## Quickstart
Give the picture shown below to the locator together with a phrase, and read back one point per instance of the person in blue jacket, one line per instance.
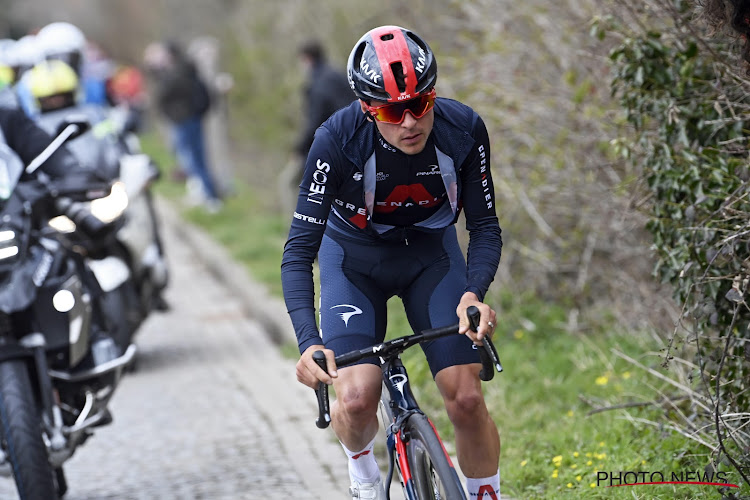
(384, 183)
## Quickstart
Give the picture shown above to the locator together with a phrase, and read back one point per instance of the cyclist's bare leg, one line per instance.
(477, 439)
(354, 412)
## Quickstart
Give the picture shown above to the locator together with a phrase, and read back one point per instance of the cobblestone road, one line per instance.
(211, 412)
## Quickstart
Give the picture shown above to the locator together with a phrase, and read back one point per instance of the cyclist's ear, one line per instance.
(363, 107)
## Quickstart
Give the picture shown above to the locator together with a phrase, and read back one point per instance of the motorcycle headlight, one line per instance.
(8, 244)
(62, 224)
(111, 206)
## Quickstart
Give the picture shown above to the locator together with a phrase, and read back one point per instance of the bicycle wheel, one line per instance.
(432, 472)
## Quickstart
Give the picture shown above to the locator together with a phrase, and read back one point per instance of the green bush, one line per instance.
(687, 110)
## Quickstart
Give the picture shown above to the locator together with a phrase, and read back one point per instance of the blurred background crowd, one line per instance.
(57, 69)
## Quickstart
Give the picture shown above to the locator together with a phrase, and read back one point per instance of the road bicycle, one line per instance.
(415, 449)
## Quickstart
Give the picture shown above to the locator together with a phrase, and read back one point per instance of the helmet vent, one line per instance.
(387, 36)
(398, 74)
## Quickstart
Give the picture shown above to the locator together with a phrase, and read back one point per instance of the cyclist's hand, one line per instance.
(487, 321)
(308, 371)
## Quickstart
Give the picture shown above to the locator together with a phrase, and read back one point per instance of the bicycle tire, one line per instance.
(432, 472)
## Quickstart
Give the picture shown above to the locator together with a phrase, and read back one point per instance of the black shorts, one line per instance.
(358, 277)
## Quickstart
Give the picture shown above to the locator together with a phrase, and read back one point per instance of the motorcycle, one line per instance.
(114, 152)
(59, 364)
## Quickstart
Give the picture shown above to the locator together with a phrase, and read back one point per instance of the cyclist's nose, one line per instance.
(409, 120)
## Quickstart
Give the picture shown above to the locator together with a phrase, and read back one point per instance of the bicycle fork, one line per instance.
(400, 404)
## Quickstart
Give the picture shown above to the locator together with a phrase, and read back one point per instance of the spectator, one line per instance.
(184, 99)
(326, 91)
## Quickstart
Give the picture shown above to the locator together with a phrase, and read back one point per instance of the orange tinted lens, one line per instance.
(394, 113)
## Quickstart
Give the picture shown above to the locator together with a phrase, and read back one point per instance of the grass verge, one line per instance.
(556, 442)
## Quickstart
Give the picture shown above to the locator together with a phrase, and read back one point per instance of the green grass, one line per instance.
(551, 448)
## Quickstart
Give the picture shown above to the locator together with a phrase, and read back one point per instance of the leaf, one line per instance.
(692, 51)
(734, 295)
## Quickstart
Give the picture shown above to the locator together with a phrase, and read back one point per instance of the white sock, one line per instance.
(484, 488)
(362, 465)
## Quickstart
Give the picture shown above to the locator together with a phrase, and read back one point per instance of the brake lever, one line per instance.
(487, 353)
(324, 408)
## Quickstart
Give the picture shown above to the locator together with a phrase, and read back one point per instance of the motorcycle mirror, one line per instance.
(71, 127)
(78, 124)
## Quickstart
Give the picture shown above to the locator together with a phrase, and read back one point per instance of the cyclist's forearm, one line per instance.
(305, 328)
(483, 257)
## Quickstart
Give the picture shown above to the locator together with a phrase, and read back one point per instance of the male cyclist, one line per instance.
(385, 180)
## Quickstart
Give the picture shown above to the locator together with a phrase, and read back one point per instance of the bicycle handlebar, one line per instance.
(487, 355)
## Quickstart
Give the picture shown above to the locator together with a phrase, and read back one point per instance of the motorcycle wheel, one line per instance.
(21, 431)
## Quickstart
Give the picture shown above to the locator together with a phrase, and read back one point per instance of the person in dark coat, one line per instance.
(183, 99)
(326, 91)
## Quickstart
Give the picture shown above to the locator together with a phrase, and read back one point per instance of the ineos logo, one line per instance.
(320, 177)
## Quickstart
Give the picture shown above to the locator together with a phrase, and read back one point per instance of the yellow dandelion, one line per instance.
(626, 375)
(524, 462)
(569, 485)
(589, 462)
(518, 334)
(574, 466)
(588, 454)
(570, 413)
(578, 478)
(554, 474)
(593, 485)
(557, 460)
(575, 454)
(601, 443)
(602, 380)
(643, 462)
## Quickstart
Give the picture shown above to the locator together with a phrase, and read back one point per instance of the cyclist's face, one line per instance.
(409, 136)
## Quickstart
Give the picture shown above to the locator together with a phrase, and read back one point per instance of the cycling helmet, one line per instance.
(64, 41)
(24, 54)
(391, 64)
(61, 37)
(50, 78)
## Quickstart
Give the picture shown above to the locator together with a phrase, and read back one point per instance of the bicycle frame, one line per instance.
(399, 402)
(402, 405)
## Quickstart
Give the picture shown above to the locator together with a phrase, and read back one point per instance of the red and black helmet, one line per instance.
(391, 64)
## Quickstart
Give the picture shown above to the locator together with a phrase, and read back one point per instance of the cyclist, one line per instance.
(384, 182)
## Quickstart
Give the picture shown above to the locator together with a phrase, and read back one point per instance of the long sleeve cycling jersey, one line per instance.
(347, 188)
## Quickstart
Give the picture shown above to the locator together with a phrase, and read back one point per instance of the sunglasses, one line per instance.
(395, 112)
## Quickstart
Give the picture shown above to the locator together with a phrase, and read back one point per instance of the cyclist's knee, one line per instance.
(466, 407)
(358, 389)
(462, 394)
(358, 401)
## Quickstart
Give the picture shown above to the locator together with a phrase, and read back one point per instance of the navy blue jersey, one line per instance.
(341, 190)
